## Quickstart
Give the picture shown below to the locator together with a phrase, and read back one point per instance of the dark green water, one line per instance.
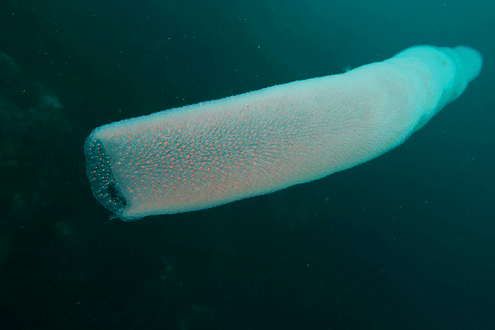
(406, 241)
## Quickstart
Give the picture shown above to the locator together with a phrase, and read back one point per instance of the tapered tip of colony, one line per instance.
(471, 61)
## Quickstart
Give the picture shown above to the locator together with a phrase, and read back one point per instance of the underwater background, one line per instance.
(405, 241)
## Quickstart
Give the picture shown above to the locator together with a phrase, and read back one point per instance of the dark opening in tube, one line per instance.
(98, 169)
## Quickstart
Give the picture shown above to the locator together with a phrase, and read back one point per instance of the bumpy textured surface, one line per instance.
(216, 152)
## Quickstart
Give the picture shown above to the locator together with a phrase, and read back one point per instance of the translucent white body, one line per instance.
(212, 153)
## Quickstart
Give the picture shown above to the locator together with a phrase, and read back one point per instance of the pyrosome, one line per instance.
(216, 152)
